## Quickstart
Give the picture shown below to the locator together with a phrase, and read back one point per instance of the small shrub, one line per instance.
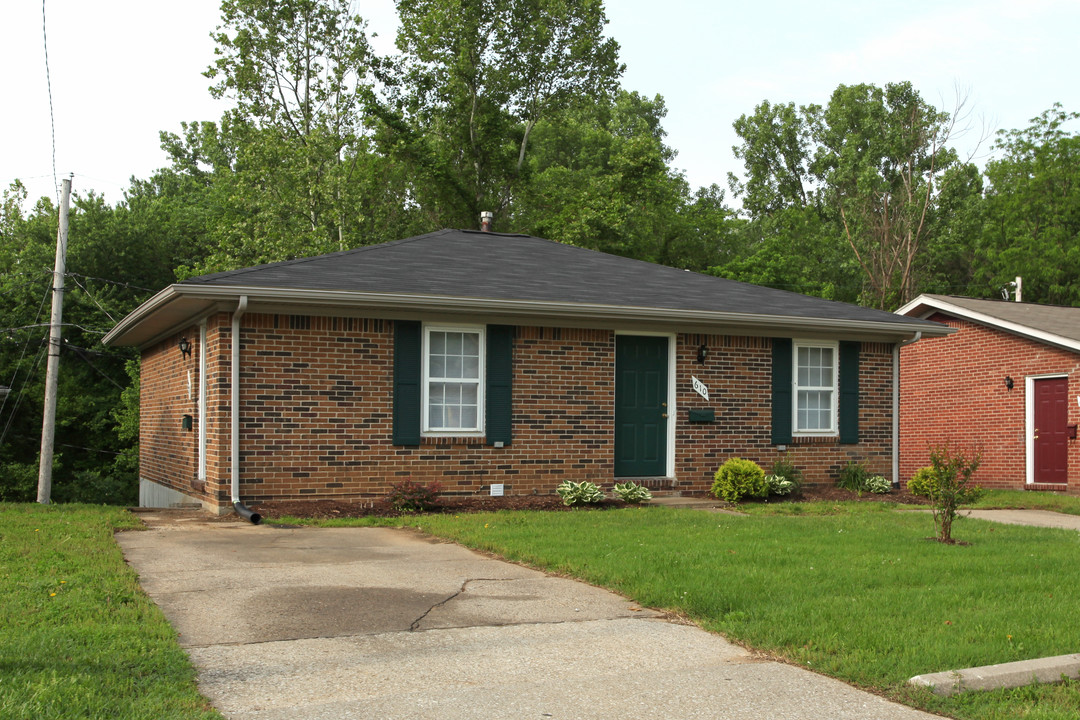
(785, 469)
(853, 477)
(950, 486)
(579, 493)
(738, 478)
(632, 493)
(877, 484)
(409, 496)
(922, 482)
(779, 485)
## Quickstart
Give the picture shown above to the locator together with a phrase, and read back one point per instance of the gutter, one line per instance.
(234, 379)
(896, 407)
(762, 324)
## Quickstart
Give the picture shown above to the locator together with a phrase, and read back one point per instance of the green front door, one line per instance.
(641, 375)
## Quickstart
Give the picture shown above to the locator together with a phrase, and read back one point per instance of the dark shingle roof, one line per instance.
(496, 266)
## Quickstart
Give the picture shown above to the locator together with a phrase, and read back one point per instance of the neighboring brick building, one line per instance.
(480, 359)
(1005, 385)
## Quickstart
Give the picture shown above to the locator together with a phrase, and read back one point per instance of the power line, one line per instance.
(91, 296)
(106, 280)
(48, 83)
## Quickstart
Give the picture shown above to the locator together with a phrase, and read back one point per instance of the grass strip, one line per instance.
(78, 637)
(861, 594)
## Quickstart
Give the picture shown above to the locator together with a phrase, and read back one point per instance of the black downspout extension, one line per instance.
(247, 513)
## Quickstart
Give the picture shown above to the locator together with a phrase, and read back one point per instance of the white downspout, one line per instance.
(896, 407)
(234, 379)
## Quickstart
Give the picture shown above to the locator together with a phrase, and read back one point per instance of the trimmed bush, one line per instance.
(579, 493)
(632, 493)
(409, 496)
(922, 482)
(738, 478)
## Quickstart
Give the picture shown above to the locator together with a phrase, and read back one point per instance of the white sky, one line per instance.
(123, 70)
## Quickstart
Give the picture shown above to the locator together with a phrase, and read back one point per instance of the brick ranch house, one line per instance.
(1005, 383)
(482, 359)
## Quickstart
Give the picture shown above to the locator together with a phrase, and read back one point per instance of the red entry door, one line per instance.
(1051, 433)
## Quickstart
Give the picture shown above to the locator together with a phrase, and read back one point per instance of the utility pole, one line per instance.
(48, 424)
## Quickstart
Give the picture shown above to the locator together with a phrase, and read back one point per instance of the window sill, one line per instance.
(453, 440)
(815, 440)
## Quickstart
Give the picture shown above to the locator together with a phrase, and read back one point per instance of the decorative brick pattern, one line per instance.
(952, 389)
(316, 413)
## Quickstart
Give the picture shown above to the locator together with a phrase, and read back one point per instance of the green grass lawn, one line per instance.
(861, 594)
(78, 637)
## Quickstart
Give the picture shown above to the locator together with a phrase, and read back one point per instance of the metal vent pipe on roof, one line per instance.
(485, 220)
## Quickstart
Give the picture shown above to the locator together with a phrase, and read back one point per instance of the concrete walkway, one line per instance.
(384, 623)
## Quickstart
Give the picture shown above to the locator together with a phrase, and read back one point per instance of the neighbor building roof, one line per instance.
(515, 276)
(1053, 324)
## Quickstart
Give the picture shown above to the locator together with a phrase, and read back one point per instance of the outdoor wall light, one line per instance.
(1008, 382)
(185, 347)
(701, 353)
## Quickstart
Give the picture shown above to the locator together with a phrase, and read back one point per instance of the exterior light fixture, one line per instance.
(1008, 382)
(185, 347)
(702, 352)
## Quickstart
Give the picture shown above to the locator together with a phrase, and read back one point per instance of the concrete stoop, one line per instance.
(1005, 675)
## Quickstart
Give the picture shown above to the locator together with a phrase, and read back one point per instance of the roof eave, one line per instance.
(200, 299)
(924, 306)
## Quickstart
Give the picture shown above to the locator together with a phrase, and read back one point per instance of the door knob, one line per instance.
(664, 415)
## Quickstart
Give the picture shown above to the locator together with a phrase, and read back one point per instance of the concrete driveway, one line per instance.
(385, 623)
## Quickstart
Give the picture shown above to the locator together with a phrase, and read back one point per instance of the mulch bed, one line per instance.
(379, 507)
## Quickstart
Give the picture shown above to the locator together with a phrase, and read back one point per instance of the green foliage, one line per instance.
(579, 493)
(856, 478)
(860, 174)
(951, 486)
(738, 478)
(632, 493)
(1033, 210)
(79, 637)
(408, 496)
(475, 81)
(787, 470)
(780, 485)
(853, 477)
(877, 484)
(921, 483)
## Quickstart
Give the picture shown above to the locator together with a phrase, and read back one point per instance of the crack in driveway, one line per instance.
(416, 623)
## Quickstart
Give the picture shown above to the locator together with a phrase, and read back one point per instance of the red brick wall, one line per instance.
(738, 373)
(952, 389)
(316, 409)
(168, 455)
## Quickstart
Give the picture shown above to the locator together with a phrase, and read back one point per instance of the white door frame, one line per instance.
(1029, 421)
(672, 410)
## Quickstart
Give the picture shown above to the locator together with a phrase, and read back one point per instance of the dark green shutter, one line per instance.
(849, 392)
(781, 391)
(407, 372)
(498, 390)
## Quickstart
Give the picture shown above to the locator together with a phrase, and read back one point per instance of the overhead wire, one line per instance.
(48, 84)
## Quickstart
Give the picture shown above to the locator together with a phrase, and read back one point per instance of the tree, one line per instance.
(950, 486)
(866, 170)
(881, 155)
(1033, 210)
(474, 81)
(600, 177)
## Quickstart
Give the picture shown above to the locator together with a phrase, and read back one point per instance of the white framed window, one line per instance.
(453, 382)
(816, 387)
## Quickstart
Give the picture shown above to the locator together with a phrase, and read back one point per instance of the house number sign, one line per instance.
(699, 387)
